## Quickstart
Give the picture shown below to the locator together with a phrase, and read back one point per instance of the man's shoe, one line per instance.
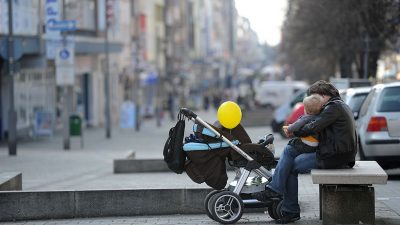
(265, 195)
(288, 217)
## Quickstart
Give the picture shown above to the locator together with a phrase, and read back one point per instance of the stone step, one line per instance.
(42, 205)
(10, 181)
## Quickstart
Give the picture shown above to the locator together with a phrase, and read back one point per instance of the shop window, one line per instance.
(84, 12)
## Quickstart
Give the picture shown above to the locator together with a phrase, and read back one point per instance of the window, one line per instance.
(299, 98)
(368, 99)
(356, 102)
(390, 100)
(84, 12)
(343, 95)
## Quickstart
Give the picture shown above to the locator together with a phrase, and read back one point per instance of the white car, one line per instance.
(272, 94)
(354, 97)
(379, 125)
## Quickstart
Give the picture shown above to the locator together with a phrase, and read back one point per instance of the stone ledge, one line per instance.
(42, 205)
(24, 205)
(364, 172)
(130, 165)
(10, 181)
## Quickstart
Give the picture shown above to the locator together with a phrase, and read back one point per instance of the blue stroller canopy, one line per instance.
(197, 146)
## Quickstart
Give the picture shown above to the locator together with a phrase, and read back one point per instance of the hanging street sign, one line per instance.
(62, 25)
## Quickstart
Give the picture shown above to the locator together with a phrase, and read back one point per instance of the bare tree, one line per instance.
(321, 37)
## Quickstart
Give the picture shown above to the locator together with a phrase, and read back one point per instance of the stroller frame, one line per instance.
(222, 200)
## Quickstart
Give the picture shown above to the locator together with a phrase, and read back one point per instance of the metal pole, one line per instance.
(66, 137)
(107, 81)
(66, 98)
(137, 39)
(12, 120)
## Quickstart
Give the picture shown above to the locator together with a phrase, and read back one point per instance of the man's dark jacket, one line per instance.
(337, 135)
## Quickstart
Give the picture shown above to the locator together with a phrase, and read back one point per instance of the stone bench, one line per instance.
(10, 181)
(347, 195)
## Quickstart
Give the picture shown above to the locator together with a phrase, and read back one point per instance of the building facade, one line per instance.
(163, 55)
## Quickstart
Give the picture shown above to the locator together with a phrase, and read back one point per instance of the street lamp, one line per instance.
(12, 140)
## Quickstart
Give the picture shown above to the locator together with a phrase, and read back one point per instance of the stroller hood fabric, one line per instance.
(210, 166)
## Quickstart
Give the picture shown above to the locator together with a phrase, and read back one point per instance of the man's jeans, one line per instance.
(284, 180)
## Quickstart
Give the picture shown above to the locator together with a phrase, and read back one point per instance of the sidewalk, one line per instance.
(46, 166)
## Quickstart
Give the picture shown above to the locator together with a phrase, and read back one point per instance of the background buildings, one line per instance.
(163, 54)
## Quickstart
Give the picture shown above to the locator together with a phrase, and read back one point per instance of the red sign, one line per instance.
(109, 12)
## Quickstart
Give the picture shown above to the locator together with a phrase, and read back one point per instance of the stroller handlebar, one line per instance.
(188, 113)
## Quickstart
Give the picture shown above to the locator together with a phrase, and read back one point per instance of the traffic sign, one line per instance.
(61, 25)
(65, 70)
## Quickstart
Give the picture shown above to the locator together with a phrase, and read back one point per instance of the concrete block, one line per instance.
(347, 204)
(10, 181)
(139, 202)
(364, 172)
(140, 165)
(100, 203)
(36, 205)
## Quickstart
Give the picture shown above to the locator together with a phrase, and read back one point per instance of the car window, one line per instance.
(367, 101)
(356, 102)
(390, 100)
(299, 98)
(343, 96)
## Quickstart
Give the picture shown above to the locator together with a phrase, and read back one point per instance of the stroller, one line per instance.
(226, 205)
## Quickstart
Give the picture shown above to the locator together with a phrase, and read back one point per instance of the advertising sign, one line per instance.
(43, 124)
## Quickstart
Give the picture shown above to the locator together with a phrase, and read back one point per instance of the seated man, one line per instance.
(337, 149)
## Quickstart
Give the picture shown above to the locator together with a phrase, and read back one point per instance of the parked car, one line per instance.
(379, 125)
(354, 97)
(298, 110)
(272, 94)
(282, 112)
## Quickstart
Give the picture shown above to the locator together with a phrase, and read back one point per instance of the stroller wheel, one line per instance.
(278, 210)
(226, 207)
(207, 205)
(272, 210)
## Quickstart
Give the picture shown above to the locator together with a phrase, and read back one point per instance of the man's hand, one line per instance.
(287, 133)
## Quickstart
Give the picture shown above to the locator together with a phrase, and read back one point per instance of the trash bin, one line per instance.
(75, 125)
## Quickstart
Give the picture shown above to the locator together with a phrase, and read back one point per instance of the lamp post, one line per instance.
(12, 120)
(109, 15)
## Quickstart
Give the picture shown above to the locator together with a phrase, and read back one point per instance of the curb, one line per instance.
(140, 165)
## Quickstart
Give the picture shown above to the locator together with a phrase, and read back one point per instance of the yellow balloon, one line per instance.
(229, 114)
